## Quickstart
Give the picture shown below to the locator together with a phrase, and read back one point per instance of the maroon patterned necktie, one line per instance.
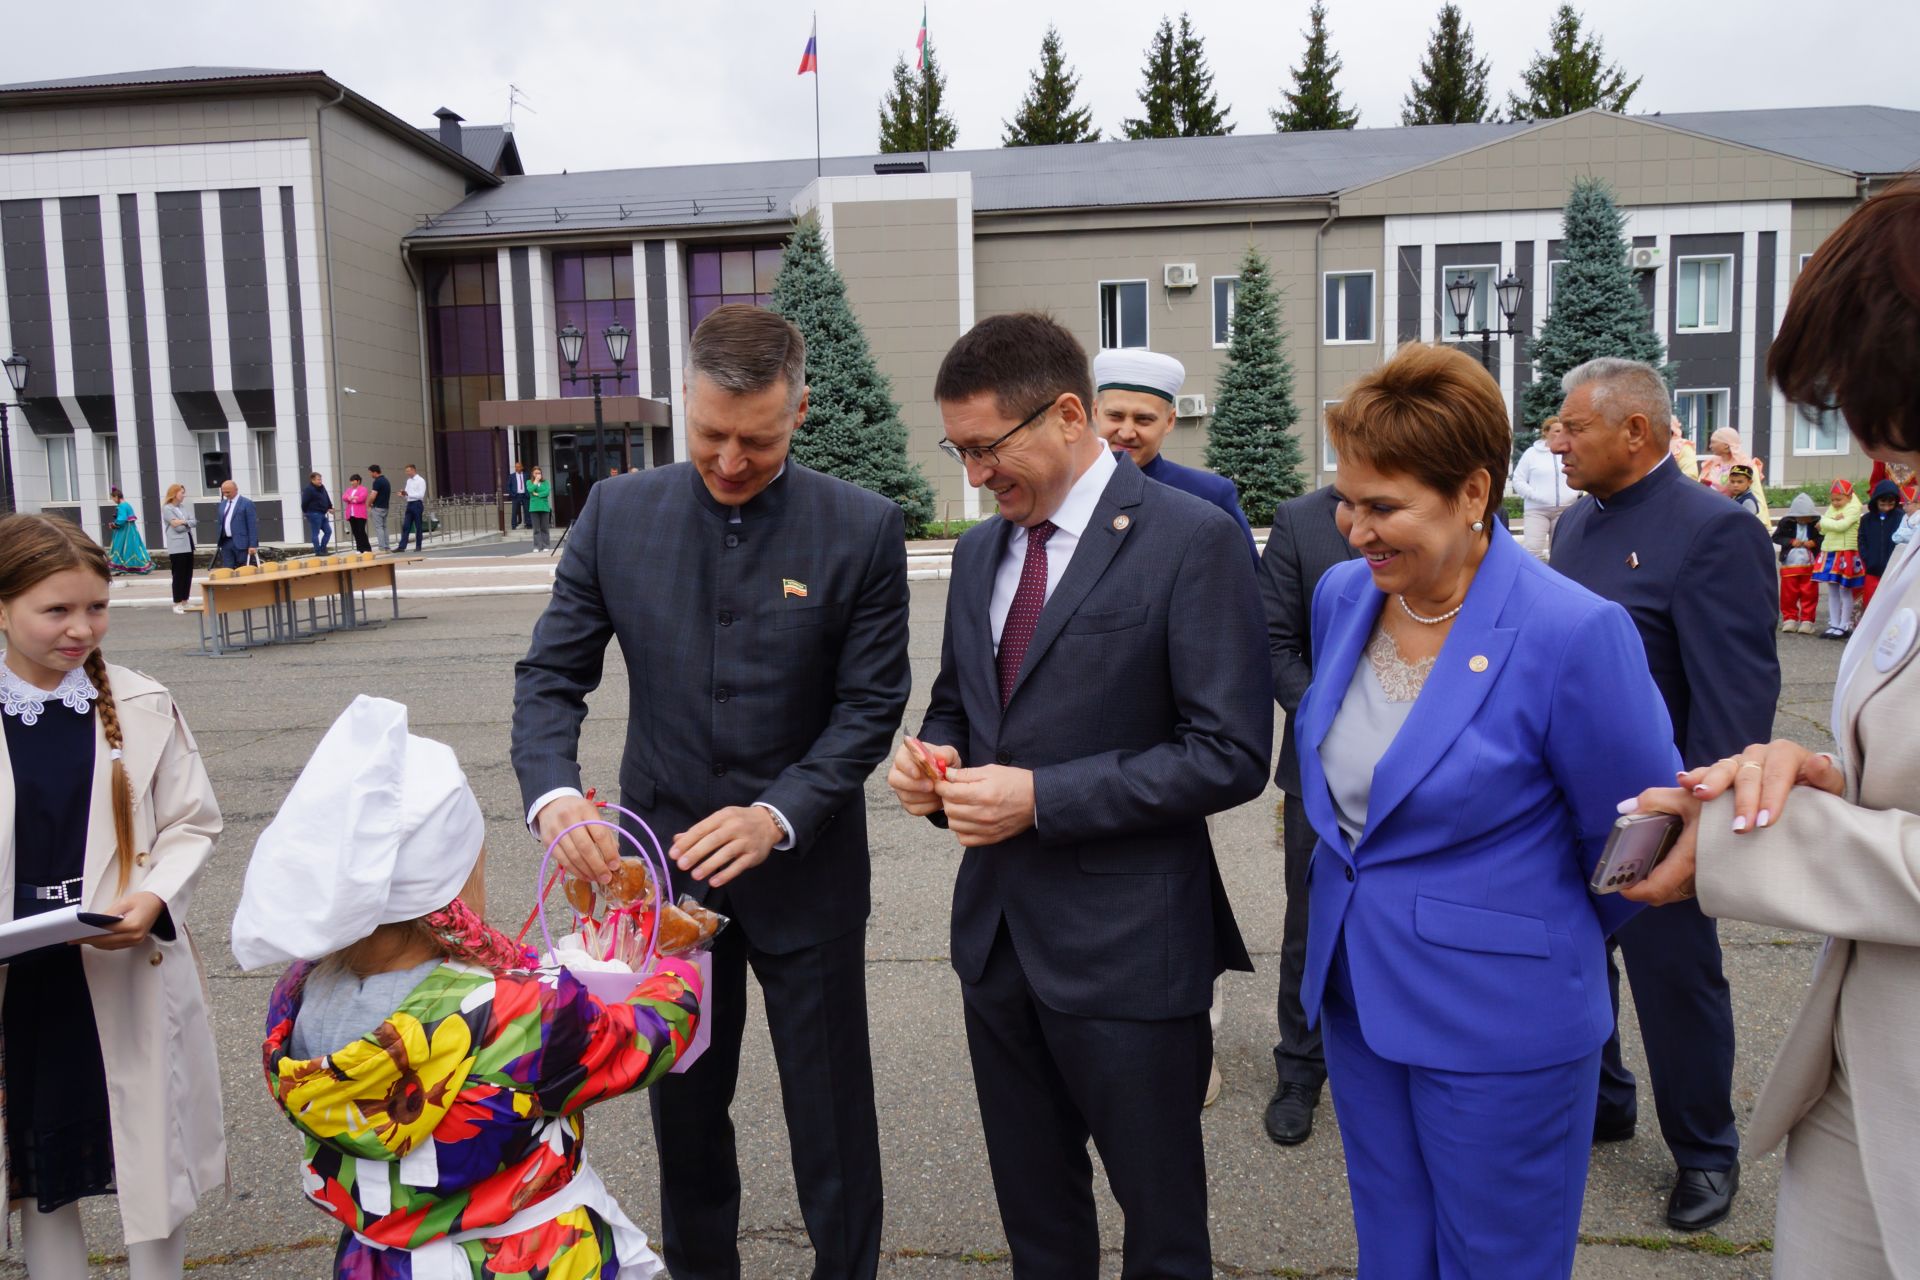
(1024, 614)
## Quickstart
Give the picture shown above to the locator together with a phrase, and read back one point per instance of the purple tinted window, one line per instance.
(703, 272)
(697, 310)
(599, 272)
(766, 265)
(569, 277)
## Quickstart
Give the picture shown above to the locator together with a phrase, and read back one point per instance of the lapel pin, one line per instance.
(1120, 523)
(1477, 663)
(1633, 559)
(792, 587)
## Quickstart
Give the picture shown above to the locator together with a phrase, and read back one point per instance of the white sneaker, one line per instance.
(180, 608)
(1807, 628)
(1789, 625)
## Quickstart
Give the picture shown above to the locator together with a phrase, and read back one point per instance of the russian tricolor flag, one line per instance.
(810, 60)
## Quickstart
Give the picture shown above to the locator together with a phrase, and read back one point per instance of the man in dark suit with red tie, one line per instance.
(1089, 920)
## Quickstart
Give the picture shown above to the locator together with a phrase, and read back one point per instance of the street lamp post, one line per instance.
(1460, 295)
(617, 336)
(16, 366)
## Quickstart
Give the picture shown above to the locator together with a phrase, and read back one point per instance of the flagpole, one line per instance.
(926, 84)
(816, 93)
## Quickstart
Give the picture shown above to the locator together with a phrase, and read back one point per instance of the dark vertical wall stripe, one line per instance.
(146, 448)
(522, 275)
(1530, 299)
(1645, 280)
(1762, 341)
(243, 258)
(1409, 324)
(86, 271)
(659, 361)
(183, 282)
(30, 309)
(296, 334)
(1706, 361)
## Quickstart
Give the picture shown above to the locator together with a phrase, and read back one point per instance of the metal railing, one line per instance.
(460, 517)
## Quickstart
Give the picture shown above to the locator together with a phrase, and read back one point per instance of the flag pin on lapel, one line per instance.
(1633, 559)
(792, 587)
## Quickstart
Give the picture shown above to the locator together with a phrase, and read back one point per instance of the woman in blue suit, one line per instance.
(1473, 722)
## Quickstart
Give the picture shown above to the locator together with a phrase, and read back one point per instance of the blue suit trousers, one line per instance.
(1459, 1175)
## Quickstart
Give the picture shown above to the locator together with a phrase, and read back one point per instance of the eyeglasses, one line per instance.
(987, 454)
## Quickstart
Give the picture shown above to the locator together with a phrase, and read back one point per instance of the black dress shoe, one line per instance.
(1290, 1113)
(1612, 1128)
(1701, 1198)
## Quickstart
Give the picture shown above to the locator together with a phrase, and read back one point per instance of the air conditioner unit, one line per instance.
(1182, 275)
(1190, 407)
(1646, 258)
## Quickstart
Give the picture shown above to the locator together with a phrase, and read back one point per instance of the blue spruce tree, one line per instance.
(1250, 439)
(853, 428)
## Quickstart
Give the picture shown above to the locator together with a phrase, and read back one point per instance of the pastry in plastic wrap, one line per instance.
(687, 926)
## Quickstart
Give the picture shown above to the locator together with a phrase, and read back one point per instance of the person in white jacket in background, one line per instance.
(1543, 488)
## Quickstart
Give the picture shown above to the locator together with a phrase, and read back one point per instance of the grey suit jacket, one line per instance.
(766, 661)
(1142, 706)
(1303, 544)
(1847, 866)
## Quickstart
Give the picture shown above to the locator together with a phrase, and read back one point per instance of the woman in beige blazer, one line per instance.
(135, 818)
(1783, 836)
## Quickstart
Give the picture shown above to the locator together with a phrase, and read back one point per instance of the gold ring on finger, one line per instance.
(1747, 764)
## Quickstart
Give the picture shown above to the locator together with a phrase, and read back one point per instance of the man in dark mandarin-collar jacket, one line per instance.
(761, 609)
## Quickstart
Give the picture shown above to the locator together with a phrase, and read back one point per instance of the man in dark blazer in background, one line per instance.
(1697, 573)
(762, 612)
(1306, 540)
(1089, 919)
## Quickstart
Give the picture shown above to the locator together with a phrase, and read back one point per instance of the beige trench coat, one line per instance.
(1847, 866)
(150, 1001)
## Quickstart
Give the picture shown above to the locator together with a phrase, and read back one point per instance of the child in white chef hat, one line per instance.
(437, 1080)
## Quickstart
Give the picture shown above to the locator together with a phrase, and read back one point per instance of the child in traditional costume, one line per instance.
(1840, 566)
(107, 808)
(437, 1080)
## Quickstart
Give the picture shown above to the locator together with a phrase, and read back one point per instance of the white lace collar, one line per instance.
(27, 701)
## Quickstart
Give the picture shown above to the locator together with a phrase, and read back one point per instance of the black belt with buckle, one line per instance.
(68, 893)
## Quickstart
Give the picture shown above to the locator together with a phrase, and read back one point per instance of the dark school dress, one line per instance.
(59, 1138)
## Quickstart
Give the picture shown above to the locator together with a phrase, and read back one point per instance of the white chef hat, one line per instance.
(1135, 369)
(380, 827)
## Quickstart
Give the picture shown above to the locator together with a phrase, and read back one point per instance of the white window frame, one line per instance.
(63, 462)
(1328, 460)
(1551, 264)
(1729, 266)
(1373, 308)
(1146, 314)
(108, 445)
(266, 477)
(1233, 303)
(1841, 436)
(221, 442)
(1481, 297)
(1726, 399)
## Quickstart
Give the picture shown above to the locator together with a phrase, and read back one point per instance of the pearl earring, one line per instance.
(1479, 525)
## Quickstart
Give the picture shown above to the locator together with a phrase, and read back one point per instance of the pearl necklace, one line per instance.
(1428, 622)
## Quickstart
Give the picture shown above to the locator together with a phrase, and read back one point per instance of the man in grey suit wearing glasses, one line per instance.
(761, 609)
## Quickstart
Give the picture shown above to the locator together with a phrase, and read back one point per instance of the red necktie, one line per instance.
(1024, 614)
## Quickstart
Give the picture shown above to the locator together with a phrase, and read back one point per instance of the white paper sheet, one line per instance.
(65, 925)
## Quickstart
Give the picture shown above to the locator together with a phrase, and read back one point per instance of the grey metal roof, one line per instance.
(480, 143)
(165, 75)
(1862, 140)
(1161, 171)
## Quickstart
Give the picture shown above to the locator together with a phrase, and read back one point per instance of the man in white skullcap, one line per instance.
(435, 1080)
(1134, 398)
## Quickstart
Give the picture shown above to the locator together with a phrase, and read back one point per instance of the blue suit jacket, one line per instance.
(246, 522)
(1206, 486)
(1143, 705)
(1472, 942)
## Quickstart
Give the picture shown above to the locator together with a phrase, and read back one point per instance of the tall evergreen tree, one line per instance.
(1314, 101)
(1047, 114)
(903, 112)
(1452, 85)
(1571, 75)
(1157, 118)
(1597, 309)
(1176, 88)
(1195, 105)
(1250, 439)
(853, 428)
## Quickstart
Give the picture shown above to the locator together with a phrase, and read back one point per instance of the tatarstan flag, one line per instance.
(921, 43)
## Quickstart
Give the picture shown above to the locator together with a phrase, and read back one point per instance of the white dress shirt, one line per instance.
(416, 489)
(1069, 522)
(226, 516)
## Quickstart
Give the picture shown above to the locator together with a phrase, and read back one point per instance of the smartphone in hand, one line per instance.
(1638, 844)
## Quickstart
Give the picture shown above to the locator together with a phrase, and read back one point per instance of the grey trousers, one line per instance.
(377, 517)
(1825, 1227)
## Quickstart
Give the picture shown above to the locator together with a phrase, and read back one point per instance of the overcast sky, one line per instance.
(646, 82)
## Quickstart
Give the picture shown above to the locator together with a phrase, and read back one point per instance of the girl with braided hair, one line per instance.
(128, 1104)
